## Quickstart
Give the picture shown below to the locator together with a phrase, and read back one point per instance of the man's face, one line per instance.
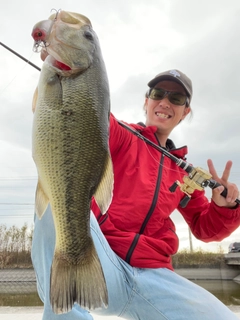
(162, 113)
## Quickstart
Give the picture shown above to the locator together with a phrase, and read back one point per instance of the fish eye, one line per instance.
(88, 35)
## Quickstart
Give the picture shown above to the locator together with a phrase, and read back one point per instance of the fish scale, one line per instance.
(71, 152)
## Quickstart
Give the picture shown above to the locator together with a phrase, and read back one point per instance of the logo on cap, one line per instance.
(175, 73)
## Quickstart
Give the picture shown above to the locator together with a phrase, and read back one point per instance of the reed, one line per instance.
(198, 259)
(15, 251)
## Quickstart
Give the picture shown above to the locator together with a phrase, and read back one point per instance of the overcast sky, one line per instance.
(138, 39)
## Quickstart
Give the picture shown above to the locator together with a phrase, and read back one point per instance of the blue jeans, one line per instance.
(134, 293)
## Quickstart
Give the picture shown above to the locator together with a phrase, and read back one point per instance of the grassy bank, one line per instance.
(15, 251)
(198, 259)
(183, 259)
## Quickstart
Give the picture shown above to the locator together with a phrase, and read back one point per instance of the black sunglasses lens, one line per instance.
(177, 98)
(157, 94)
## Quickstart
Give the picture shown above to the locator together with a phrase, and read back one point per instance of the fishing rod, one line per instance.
(197, 178)
(19, 56)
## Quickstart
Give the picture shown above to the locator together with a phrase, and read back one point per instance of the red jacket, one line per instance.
(138, 225)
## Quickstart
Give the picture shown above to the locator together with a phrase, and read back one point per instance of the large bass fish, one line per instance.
(70, 148)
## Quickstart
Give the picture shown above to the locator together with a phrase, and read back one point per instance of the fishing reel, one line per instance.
(197, 179)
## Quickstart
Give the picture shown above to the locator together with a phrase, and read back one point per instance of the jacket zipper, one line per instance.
(149, 214)
(104, 219)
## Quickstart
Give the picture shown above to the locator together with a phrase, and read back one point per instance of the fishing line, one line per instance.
(19, 56)
(148, 142)
(170, 169)
(14, 77)
(158, 161)
(28, 62)
(197, 178)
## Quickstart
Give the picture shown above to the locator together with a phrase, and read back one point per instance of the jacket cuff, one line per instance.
(226, 210)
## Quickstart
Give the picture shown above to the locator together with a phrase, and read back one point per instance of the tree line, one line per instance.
(15, 246)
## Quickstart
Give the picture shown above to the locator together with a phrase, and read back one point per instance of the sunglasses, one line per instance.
(176, 98)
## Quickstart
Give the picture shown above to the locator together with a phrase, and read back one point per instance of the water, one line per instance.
(20, 300)
(19, 294)
(225, 290)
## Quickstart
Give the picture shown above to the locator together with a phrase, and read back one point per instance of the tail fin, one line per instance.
(81, 282)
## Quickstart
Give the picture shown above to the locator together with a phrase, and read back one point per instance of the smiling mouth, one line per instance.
(162, 115)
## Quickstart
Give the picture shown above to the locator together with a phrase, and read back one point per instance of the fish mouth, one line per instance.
(61, 66)
(56, 63)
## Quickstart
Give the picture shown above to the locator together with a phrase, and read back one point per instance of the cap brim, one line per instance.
(154, 81)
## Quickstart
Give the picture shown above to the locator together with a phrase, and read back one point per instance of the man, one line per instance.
(136, 238)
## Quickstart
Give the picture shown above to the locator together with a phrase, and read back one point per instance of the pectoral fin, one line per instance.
(41, 201)
(34, 101)
(104, 192)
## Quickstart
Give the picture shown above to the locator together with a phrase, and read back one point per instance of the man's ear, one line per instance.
(145, 105)
(186, 112)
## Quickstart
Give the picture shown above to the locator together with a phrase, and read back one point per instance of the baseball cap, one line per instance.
(174, 75)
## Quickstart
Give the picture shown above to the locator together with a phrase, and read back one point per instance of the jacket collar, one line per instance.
(151, 130)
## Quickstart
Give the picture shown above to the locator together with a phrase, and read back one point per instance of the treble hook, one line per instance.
(57, 12)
